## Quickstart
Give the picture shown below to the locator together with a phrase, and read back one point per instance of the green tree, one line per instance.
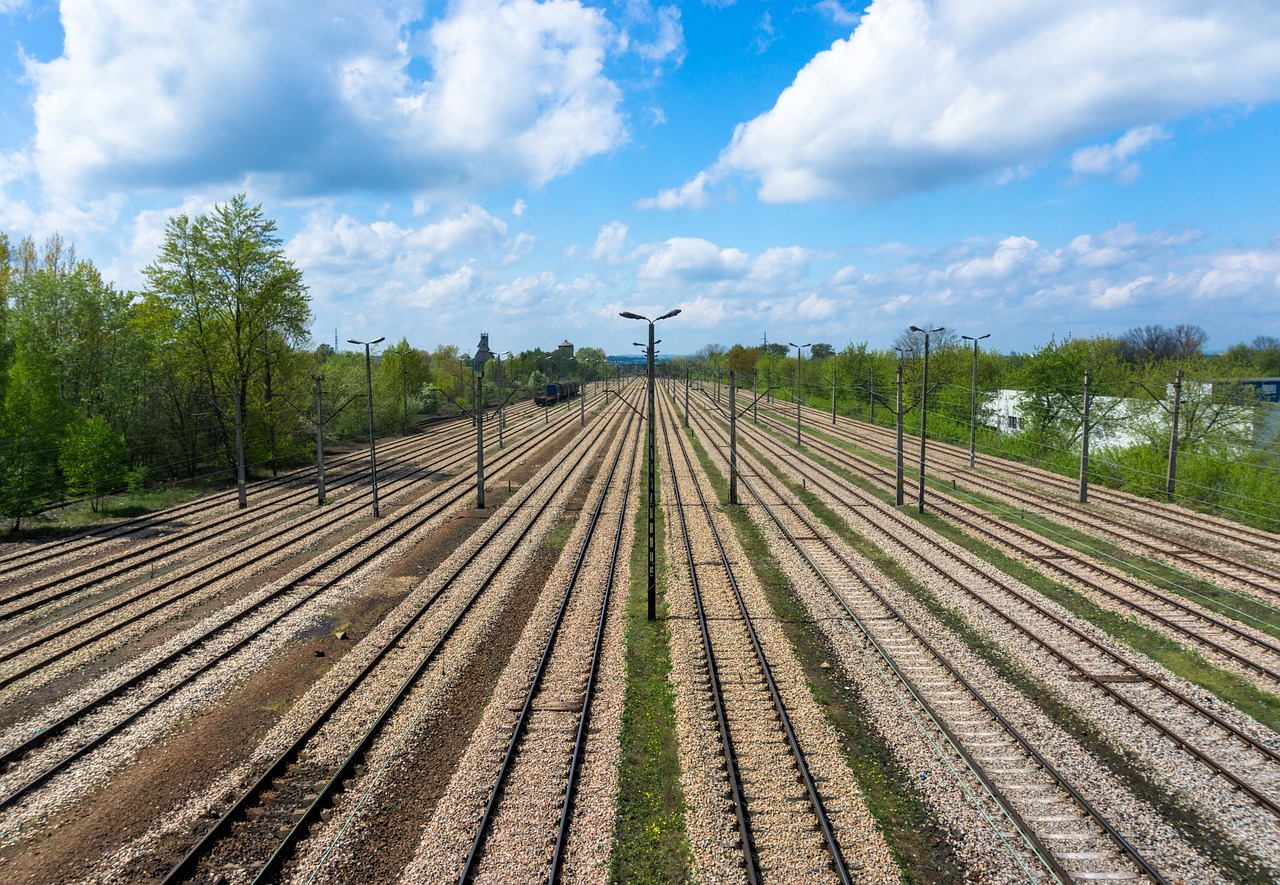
(92, 459)
(233, 293)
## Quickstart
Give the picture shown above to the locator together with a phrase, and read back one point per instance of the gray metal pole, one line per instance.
(686, 396)
(1084, 442)
(733, 439)
(833, 391)
(1173, 437)
(873, 394)
(240, 481)
(924, 418)
(373, 450)
(973, 408)
(480, 440)
(755, 398)
(898, 496)
(653, 495)
(319, 444)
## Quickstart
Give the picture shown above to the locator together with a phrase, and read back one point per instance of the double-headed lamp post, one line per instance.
(924, 410)
(368, 381)
(653, 498)
(483, 355)
(973, 398)
(502, 400)
(799, 356)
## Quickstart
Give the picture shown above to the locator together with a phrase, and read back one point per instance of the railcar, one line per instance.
(556, 393)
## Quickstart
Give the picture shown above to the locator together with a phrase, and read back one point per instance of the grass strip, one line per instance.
(1205, 834)
(913, 833)
(1210, 596)
(650, 842)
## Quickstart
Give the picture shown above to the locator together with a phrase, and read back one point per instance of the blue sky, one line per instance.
(826, 171)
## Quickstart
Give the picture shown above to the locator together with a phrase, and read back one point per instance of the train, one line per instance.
(556, 393)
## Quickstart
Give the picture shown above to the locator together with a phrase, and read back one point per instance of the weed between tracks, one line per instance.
(650, 843)
(1230, 688)
(914, 835)
(1235, 860)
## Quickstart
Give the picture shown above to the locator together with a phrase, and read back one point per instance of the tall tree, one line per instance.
(232, 289)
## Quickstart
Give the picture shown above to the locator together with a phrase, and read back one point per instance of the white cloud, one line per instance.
(691, 195)
(609, 242)
(322, 96)
(693, 260)
(1107, 159)
(923, 94)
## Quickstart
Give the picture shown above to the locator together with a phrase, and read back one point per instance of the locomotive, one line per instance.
(556, 393)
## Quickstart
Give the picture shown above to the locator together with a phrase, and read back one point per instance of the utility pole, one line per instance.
(1084, 442)
(319, 444)
(242, 497)
(898, 495)
(799, 357)
(686, 396)
(973, 398)
(1173, 437)
(924, 411)
(373, 450)
(833, 391)
(652, 457)
(733, 439)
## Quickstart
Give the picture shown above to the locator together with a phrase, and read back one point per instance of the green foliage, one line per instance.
(92, 459)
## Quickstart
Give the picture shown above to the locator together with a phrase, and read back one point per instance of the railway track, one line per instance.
(522, 833)
(1232, 758)
(1162, 532)
(772, 791)
(295, 790)
(175, 523)
(1242, 644)
(36, 754)
(1060, 835)
(265, 546)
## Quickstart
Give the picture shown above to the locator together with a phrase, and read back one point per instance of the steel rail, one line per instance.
(387, 535)
(949, 505)
(911, 529)
(471, 863)
(190, 862)
(815, 798)
(1025, 831)
(268, 543)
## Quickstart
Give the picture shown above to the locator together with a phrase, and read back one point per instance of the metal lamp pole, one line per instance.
(653, 497)
(799, 356)
(483, 355)
(973, 398)
(368, 381)
(502, 390)
(924, 410)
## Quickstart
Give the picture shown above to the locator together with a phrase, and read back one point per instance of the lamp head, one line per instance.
(632, 316)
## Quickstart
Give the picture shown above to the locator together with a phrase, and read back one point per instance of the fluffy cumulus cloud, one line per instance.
(1094, 283)
(322, 96)
(924, 93)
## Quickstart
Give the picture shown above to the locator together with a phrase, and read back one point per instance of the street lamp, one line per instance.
(368, 381)
(799, 356)
(483, 355)
(653, 499)
(404, 385)
(502, 390)
(924, 410)
(973, 398)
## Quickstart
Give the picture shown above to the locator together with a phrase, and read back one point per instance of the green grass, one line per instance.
(80, 515)
(914, 835)
(1227, 686)
(650, 843)
(1236, 860)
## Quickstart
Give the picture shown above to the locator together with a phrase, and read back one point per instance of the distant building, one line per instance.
(565, 350)
(1246, 409)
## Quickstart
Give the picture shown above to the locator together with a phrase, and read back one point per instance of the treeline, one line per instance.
(1228, 449)
(103, 390)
